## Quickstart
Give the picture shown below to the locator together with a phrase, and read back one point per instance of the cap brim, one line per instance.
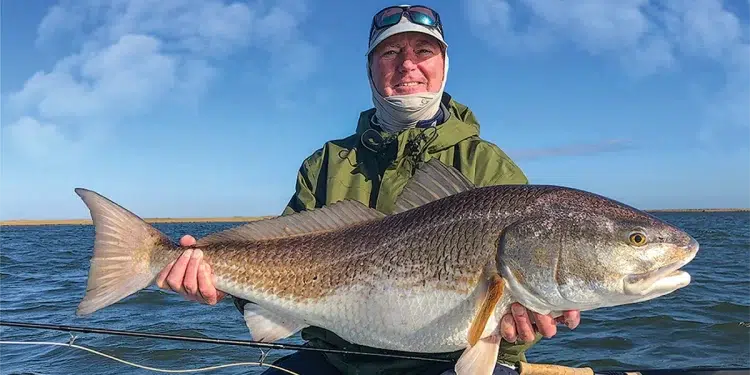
(402, 27)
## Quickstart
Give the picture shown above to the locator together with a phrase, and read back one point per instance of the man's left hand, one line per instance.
(519, 323)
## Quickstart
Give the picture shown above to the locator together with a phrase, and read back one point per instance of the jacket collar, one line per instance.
(458, 123)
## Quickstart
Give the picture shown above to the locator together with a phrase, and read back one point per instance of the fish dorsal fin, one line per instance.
(334, 216)
(433, 180)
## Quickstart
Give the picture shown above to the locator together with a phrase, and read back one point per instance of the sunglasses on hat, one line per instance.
(417, 14)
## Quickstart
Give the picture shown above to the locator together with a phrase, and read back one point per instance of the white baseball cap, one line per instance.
(405, 25)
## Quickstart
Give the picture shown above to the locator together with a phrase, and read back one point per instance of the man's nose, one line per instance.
(408, 61)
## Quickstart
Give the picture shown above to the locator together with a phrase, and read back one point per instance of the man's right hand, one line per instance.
(189, 276)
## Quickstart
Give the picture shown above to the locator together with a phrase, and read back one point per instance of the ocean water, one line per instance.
(43, 277)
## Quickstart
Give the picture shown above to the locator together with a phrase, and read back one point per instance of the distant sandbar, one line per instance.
(233, 219)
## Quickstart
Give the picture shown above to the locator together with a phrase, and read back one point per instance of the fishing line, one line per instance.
(76, 346)
(556, 370)
(257, 344)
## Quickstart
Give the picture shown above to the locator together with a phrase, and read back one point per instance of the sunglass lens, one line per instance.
(423, 16)
(389, 17)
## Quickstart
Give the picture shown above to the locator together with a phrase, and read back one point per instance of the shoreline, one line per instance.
(245, 219)
(165, 220)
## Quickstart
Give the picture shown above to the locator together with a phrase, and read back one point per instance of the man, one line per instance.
(413, 121)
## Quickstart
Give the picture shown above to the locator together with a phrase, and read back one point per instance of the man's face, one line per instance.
(407, 63)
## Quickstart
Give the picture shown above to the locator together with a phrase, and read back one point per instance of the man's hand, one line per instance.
(189, 276)
(517, 325)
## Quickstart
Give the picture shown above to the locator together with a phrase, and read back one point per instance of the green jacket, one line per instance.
(373, 167)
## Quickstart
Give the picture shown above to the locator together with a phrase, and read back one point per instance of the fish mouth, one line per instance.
(662, 280)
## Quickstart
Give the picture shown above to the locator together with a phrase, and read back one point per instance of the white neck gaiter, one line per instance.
(399, 112)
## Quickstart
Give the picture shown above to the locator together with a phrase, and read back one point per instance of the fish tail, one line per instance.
(123, 247)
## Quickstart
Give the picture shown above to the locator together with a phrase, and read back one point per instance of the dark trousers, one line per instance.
(303, 363)
(314, 363)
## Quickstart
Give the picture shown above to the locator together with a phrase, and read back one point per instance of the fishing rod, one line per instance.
(522, 368)
(162, 336)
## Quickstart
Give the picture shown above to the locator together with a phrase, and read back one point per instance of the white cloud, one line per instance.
(60, 20)
(133, 55)
(38, 140)
(620, 29)
(645, 37)
(124, 78)
(703, 28)
(635, 30)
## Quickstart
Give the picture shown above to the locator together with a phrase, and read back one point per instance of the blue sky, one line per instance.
(207, 107)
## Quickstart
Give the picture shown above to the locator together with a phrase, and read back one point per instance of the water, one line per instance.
(43, 274)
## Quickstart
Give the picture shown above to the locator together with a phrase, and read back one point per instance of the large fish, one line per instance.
(435, 275)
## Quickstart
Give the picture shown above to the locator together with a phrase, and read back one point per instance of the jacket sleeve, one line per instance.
(304, 197)
(492, 166)
(503, 171)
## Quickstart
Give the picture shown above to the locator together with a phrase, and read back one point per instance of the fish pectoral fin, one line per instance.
(480, 358)
(267, 326)
(432, 180)
(495, 288)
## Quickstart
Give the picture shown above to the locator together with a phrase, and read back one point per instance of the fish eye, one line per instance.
(637, 239)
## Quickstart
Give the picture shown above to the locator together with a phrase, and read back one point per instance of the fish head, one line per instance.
(577, 250)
